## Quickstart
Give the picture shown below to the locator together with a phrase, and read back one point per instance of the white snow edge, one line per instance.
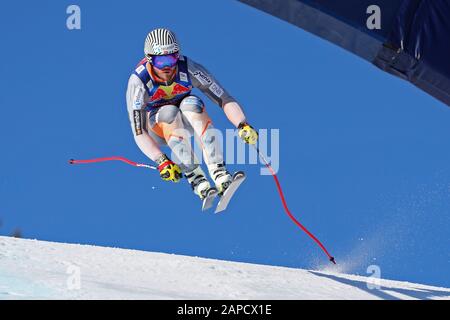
(32, 269)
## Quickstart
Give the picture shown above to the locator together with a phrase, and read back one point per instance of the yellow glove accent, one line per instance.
(168, 170)
(247, 133)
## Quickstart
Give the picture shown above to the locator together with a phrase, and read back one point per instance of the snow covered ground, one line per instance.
(31, 269)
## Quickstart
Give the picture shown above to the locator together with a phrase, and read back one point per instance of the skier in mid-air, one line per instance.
(160, 106)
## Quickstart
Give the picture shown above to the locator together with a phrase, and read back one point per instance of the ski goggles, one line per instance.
(168, 60)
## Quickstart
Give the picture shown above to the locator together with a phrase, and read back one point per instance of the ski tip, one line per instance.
(71, 161)
(208, 201)
(333, 260)
(239, 174)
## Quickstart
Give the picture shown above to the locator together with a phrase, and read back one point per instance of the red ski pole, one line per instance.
(283, 200)
(135, 164)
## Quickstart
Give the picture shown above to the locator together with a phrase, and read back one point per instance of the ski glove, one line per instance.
(247, 133)
(168, 170)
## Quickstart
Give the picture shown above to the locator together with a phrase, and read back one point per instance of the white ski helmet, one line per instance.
(160, 42)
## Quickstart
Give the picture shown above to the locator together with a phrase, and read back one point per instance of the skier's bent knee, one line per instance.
(167, 114)
(192, 104)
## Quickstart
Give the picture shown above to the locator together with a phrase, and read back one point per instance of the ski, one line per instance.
(208, 201)
(238, 178)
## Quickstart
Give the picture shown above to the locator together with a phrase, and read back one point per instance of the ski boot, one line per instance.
(221, 177)
(200, 185)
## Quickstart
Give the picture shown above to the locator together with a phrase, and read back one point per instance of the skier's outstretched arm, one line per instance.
(135, 104)
(234, 113)
(203, 80)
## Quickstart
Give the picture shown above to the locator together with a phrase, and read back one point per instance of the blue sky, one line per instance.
(364, 157)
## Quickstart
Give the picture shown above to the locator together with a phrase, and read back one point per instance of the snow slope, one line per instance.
(31, 269)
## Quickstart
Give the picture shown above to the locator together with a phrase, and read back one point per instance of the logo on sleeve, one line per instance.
(203, 78)
(137, 101)
(137, 104)
(137, 122)
(216, 89)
